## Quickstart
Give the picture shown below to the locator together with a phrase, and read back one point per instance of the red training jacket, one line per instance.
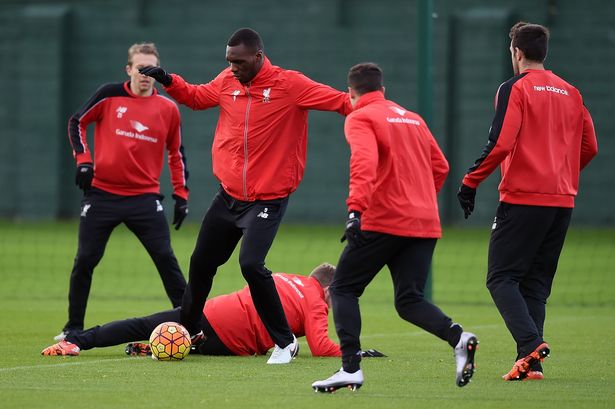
(543, 136)
(131, 135)
(396, 169)
(260, 144)
(239, 327)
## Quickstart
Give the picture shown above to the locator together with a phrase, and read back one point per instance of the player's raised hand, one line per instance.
(158, 74)
(84, 176)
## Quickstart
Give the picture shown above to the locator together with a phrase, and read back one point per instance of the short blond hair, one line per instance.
(142, 48)
(324, 274)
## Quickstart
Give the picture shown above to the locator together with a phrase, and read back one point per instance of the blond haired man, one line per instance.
(121, 180)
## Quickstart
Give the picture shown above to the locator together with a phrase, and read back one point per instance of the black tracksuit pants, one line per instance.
(525, 245)
(138, 329)
(409, 260)
(225, 223)
(101, 212)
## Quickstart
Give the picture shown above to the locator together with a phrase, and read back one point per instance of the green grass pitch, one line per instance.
(35, 262)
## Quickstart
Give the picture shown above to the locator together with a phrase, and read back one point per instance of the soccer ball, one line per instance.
(169, 342)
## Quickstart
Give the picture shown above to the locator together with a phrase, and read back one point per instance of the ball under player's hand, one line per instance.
(158, 74)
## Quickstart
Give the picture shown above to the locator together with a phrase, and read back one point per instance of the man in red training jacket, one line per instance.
(542, 136)
(121, 180)
(258, 154)
(396, 170)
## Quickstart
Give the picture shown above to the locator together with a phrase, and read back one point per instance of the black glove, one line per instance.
(372, 353)
(466, 196)
(353, 230)
(158, 74)
(181, 211)
(84, 176)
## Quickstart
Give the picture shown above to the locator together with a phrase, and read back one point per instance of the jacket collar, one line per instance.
(263, 73)
(368, 98)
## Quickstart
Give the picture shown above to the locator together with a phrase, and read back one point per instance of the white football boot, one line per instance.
(464, 357)
(284, 355)
(340, 379)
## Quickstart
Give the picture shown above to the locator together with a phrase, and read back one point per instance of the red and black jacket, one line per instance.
(130, 137)
(542, 135)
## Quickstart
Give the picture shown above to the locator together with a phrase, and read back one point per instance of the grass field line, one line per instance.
(98, 361)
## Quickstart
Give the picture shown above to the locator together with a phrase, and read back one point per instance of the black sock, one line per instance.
(454, 334)
(352, 363)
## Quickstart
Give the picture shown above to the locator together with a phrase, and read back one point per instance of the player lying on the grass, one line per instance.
(229, 322)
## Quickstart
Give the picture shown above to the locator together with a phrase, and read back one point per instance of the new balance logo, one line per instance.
(158, 206)
(263, 214)
(550, 89)
(495, 223)
(84, 210)
(121, 111)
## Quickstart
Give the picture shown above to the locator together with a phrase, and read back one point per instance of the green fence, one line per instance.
(54, 54)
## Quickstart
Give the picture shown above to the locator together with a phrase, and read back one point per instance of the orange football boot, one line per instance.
(534, 376)
(138, 349)
(521, 368)
(62, 348)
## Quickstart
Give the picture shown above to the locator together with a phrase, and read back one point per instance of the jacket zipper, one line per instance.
(245, 145)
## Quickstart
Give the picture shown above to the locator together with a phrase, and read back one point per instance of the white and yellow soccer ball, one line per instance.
(169, 341)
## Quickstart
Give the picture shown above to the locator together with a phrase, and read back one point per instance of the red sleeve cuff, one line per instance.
(182, 192)
(83, 158)
(466, 181)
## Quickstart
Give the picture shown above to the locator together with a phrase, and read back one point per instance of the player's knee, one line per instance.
(339, 290)
(494, 282)
(162, 254)
(253, 269)
(87, 259)
(405, 305)
(204, 262)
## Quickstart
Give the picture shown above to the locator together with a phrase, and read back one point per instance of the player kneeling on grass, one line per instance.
(229, 322)
(396, 169)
